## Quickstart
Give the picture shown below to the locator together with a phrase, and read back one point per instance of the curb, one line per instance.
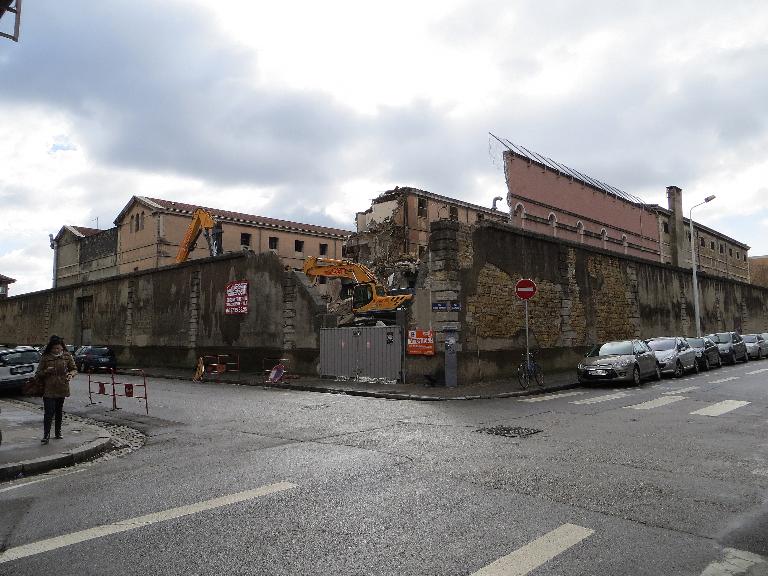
(375, 394)
(69, 458)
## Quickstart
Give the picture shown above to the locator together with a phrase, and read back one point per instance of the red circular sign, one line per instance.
(525, 289)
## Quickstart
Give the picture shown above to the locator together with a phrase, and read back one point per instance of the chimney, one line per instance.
(677, 236)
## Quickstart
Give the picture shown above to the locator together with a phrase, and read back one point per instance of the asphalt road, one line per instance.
(664, 479)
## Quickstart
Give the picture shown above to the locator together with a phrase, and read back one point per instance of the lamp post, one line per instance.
(693, 264)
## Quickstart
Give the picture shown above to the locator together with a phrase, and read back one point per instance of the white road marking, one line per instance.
(724, 380)
(657, 403)
(597, 399)
(48, 477)
(139, 522)
(720, 408)
(734, 562)
(682, 390)
(526, 559)
(550, 397)
(757, 371)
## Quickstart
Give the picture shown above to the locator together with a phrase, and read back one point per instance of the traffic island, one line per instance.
(21, 452)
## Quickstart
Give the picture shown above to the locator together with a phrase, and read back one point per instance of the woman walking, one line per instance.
(54, 372)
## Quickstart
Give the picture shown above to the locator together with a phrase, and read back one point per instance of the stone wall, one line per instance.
(585, 295)
(170, 316)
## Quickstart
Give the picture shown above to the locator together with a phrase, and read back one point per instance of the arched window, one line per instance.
(625, 243)
(136, 224)
(142, 220)
(130, 229)
(553, 222)
(604, 238)
(580, 231)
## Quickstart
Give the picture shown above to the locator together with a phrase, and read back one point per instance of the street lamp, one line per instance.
(693, 263)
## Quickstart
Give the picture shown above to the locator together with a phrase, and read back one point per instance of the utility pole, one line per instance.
(696, 313)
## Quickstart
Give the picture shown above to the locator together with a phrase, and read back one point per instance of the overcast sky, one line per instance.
(307, 110)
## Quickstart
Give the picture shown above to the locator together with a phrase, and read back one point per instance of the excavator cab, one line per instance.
(362, 295)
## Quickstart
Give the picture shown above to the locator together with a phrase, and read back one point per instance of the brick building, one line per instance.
(82, 254)
(5, 282)
(151, 229)
(397, 223)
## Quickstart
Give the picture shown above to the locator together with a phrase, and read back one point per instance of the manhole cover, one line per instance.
(509, 431)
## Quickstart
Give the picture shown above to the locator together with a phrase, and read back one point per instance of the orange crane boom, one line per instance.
(202, 222)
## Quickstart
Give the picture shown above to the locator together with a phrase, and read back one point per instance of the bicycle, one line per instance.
(529, 371)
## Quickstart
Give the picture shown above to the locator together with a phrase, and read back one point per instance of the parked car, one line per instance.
(89, 357)
(619, 361)
(707, 353)
(17, 365)
(674, 355)
(731, 346)
(757, 347)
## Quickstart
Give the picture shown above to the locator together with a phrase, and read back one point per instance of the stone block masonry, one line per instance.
(586, 295)
(172, 315)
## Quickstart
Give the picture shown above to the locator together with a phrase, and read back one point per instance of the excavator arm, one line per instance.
(369, 298)
(202, 222)
(333, 268)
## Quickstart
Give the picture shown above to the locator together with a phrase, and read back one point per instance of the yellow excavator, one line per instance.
(202, 222)
(369, 298)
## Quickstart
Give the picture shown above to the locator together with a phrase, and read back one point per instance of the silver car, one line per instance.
(757, 347)
(17, 365)
(620, 361)
(675, 355)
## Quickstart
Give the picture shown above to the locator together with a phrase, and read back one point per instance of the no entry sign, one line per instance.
(525, 289)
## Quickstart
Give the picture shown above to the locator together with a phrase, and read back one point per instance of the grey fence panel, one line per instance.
(365, 351)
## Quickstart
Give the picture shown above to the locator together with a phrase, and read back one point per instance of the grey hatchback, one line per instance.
(619, 361)
(707, 353)
(674, 354)
(731, 346)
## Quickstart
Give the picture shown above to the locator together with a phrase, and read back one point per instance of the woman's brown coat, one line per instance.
(52, 373)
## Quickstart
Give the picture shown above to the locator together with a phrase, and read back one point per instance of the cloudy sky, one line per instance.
(306, 110)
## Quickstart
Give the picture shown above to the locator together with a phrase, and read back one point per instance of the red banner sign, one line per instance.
(421, 342)
(236, 301)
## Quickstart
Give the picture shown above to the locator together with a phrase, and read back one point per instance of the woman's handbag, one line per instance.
(33, 387)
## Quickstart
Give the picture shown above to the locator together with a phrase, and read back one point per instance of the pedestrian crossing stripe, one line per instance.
(681, 390)
(720, 408)
(598, 399)
(545, 397)
(656, 403)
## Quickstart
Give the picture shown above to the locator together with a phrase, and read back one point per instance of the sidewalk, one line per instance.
(22, 454)
(378, 389)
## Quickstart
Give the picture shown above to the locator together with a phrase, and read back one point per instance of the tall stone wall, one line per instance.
(585, 295)
(171, 316)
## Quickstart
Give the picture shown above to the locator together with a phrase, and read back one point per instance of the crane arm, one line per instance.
(330, 267)
(201, 220)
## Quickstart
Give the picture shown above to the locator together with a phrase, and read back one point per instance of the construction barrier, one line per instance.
(279, 372)
(218, 364)
(113, 388)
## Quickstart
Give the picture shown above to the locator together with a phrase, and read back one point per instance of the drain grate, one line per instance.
(509, 431)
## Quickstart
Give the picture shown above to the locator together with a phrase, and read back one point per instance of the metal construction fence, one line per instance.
(115, 388)
(362, 352)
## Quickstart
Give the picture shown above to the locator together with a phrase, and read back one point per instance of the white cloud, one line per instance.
(306, 111)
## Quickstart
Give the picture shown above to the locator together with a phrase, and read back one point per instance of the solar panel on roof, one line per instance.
(545, 162)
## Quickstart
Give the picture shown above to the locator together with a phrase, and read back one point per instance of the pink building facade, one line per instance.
(549, 198)
(559, 204)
